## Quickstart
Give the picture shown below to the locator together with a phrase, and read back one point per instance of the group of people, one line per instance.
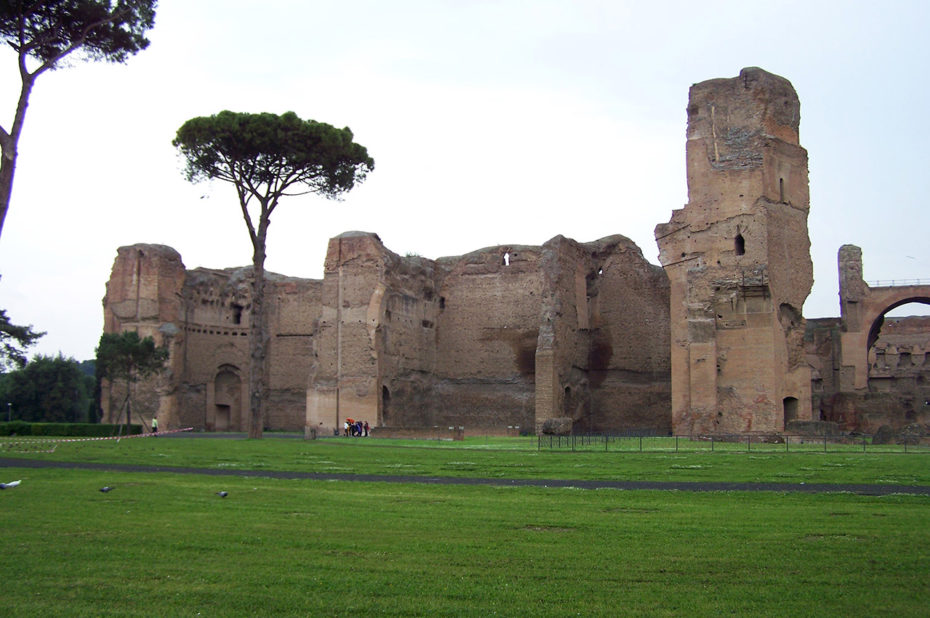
(357, 428)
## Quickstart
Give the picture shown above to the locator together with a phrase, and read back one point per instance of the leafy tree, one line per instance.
(48, 389)
(45, 32)
(13, 342)
(129, 358)
(266, 157)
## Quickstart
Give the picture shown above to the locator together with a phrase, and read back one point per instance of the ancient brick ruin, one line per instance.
(871, 371)
(738, 258)
(502, 337)
(567, 336)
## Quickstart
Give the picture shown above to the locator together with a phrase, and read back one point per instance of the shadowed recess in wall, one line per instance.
(599, 356)
(523, 344)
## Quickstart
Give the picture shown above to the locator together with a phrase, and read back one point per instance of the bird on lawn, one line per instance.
(222, 494)
(106, 489)
(10, 485)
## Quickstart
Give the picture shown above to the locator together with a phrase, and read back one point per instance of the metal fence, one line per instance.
(886, 283)
(727, 443)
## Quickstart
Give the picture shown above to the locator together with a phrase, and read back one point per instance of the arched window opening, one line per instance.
(739, 244)
(505, 261)
(781, 189)
(791, 409)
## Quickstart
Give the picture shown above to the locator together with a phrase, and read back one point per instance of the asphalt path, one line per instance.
(809, 488)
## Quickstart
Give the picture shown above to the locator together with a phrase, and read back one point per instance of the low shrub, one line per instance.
(91, 430)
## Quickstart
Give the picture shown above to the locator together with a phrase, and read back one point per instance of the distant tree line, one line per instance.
(51, 389)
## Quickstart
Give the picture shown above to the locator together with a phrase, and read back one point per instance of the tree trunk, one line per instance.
(257, 335)
(129, 411)
(9, 144)
(7, 167)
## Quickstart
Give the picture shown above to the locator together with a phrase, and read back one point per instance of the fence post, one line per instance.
(676, 444)
(640, 444)
(712, 444)
(606, 440)
(863, 443)
(824, 441)
(749, 443)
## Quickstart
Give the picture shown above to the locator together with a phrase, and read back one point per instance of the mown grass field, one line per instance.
(166, 544)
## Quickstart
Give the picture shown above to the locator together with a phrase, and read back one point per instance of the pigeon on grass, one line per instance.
(222, 494)
(106, 489)
(10, 485)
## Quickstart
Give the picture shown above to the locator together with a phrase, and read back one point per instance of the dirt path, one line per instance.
(870, 490)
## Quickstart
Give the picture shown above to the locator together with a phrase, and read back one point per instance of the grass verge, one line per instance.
(166, 544)
(386, 457)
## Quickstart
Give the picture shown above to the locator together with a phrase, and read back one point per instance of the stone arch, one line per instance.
(877, 315)
(863, 309)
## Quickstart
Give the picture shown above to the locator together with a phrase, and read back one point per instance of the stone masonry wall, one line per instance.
(738, 259)
(486, 336)
(202, 316)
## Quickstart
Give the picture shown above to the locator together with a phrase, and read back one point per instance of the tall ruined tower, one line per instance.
(738, 260)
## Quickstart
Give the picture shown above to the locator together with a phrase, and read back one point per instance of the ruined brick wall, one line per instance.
(628, 359)
(294, 315)
(142, 295)
(486, 335)
(880, 366)
(821, 348)
(588, 334)
(344, 381)
(202, 316)
(738, 259)
(603, 338)
(407, 342)
(563, 388)
(898, 389)
(408, 333)
(213, 344)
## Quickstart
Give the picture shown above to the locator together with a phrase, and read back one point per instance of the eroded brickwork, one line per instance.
(874, 371)
(467, 341)
(202, 316)
(562, 337)
(738, 259)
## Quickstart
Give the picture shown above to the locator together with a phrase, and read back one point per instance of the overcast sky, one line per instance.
(490, 122)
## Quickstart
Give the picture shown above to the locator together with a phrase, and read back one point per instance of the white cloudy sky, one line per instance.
(490, 121)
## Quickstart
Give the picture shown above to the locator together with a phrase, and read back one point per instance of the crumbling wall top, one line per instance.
(737, 109)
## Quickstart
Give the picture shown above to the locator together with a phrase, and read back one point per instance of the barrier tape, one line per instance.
(9, 444)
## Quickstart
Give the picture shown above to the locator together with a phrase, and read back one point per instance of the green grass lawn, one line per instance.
(510, 458)
(166, 544)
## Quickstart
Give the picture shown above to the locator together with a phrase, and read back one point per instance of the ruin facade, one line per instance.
(870, 370)
(503, 337)
(566, 336)
(738, 259)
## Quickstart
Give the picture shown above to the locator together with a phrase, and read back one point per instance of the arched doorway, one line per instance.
(790, 406)
(227, 399)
